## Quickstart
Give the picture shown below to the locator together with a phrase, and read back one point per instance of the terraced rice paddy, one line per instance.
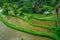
(12, 34)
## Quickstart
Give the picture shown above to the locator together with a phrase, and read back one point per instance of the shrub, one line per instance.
(27, 9)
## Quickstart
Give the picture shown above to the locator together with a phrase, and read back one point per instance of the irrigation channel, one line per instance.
(7, 33)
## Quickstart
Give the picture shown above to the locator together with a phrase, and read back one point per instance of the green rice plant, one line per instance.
(20, 28)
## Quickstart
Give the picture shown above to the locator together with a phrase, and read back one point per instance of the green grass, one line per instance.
(55, 30)
(20, 28)
(46, 19)
(41, 17)
(36, 25)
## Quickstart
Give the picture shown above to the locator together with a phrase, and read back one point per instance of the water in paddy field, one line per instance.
(7, 33)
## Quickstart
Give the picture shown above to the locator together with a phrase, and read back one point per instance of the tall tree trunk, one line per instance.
(57, 16)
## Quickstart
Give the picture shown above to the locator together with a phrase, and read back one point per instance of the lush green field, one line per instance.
(19, 28)
(42, 16)
(36, 17)
(53, 29)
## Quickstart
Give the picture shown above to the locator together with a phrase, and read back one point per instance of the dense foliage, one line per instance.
(32, 6)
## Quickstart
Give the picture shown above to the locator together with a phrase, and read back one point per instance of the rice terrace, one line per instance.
(29, 19)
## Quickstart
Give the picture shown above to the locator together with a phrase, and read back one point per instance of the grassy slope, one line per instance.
(29, 21)
(41, 16)
(26, 30)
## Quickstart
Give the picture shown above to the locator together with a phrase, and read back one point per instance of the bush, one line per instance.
(27, 9)
(4, 12)
(58, 32)
(50, 8)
